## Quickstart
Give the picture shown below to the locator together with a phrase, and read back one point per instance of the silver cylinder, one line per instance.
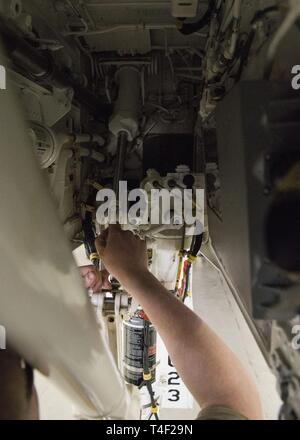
(128, 105)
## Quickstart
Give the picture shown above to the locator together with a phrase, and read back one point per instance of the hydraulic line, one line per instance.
(196, 245)
(180, 263)
(147, 375)
(121, 156)
(89, 235)
(187, 281)
(124, 123)
(191, 258)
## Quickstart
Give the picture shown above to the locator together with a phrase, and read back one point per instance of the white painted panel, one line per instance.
(43, 305)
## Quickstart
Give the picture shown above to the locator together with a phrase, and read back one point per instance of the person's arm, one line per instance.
(207, 366)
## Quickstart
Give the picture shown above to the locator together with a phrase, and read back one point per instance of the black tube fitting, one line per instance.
(190, 28)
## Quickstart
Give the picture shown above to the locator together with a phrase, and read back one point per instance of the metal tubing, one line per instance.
(121, 156)
(128, 105)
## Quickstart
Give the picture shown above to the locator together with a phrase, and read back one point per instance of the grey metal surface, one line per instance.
(245, 140)
(99, 15)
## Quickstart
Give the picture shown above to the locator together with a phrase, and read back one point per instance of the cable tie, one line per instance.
(192, 259)
(94, 256)
(147, 376)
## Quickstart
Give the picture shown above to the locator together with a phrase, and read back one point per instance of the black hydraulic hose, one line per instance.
(89, 234)
(189, 181)
(89, 240)
(41, 67)
(195, 248)
(196, 245)
(190, 28)
(187, 282)
(146, 368)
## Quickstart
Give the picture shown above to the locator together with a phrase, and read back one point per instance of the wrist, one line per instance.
(133, 278)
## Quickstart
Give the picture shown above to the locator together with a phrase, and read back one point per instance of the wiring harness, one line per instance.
(147, 375)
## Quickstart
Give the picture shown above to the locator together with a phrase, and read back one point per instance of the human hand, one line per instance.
(95, 280)
(123, 253)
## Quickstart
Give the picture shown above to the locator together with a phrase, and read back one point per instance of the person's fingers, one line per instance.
(100, 246)
(106, 284)
(102, 283)
(90, 280)
(115, 228)
(113, 232)
(89, 276)
(95, 280)
(98, 285)
(84, 270)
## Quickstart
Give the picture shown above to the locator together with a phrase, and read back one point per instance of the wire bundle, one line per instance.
(147, 375)
(191, 257)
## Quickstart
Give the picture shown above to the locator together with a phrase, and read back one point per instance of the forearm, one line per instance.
(208, 368)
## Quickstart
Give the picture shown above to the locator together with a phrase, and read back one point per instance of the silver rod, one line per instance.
(121, 156)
